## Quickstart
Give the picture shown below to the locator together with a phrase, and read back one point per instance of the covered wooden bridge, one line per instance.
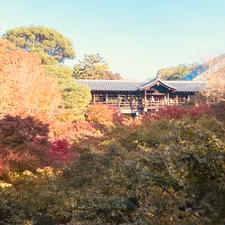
(140, 96)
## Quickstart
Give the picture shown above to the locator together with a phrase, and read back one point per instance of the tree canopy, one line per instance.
(75, 96)
(25, 88)
(51, 46)
(94, 67)
(176, 72)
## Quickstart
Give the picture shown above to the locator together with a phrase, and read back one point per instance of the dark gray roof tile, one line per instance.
(187, 85)
(112, 85)
(130, 85)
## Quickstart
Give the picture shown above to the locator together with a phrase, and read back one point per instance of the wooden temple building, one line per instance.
(137, 97)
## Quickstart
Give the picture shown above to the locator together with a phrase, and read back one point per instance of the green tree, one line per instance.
(94, 67)
(51, 46)
(75, 96)
(176, 73)
(174, 175)
(40, 198)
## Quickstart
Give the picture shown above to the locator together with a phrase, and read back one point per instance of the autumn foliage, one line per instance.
(62, 153)
(175, 112)
(1, 166)
(25, 89)
(17, 132)
(24, 143)
(215, 90)
(104, 114)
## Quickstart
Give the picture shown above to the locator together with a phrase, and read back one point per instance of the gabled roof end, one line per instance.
(153, 82)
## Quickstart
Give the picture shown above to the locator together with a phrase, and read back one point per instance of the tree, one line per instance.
(215, 88)
(112, 76)
(75, 96)
(51, 46)
(94, 67)
(176, 73)
(24, 143)
(174, 175)
(25, 88)
(16, 131)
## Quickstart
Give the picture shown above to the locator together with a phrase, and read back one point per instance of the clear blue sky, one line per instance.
(137, 37)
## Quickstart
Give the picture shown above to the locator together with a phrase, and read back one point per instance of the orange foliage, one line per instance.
(134, 123)
(104, 114)
(30, 158)
(25, 88)
(57, 128)
(84, 129)
(71, 131)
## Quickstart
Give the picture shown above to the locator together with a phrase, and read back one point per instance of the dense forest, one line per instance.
(64, 162)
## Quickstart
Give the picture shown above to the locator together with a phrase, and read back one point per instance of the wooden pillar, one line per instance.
(165, 100)
(168, 98)
(145, 100)
(93, 96)
(177, 100)
(106, 98)
(188, 98)
(118, 97)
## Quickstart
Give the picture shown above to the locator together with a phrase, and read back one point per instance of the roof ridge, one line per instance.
(184, 81)
(95, 80)
(146, 82)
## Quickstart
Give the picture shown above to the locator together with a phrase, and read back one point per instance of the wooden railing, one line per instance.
(141, 105)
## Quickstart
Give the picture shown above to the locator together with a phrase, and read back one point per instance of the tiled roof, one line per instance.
(186, 85)
(129, 85)
(112, 85)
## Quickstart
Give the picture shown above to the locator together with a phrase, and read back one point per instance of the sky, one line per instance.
(137, 37)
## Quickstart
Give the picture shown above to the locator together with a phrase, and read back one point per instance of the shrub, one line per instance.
(219, 109)
(30, 158)
(204, 109)
(178, 112)
(17, 132)
(60, 148)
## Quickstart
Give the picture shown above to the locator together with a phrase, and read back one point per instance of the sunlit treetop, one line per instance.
(51, 46)
(94, 67)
